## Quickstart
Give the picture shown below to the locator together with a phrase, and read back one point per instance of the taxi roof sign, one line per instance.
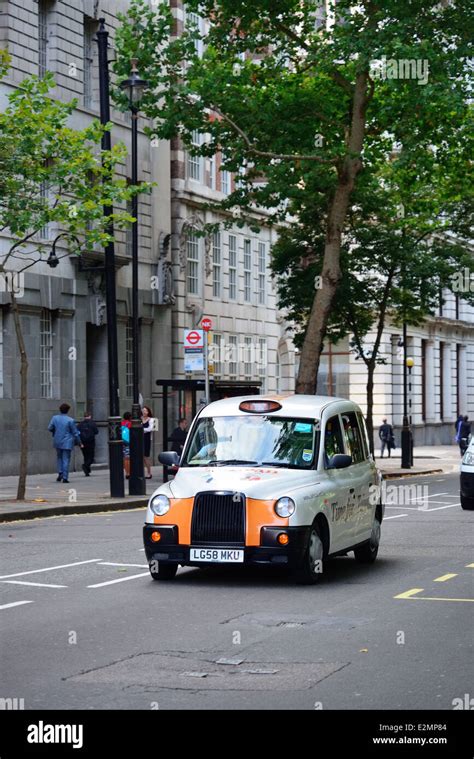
(259, 407)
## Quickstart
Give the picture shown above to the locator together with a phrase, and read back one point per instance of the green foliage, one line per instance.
(51, 173)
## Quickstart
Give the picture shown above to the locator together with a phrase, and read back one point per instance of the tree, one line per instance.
(302, 109)
(393, 269)
(50, 174)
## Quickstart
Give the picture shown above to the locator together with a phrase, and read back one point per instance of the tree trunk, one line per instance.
(370, 404)
(331, 271)
(21, 490)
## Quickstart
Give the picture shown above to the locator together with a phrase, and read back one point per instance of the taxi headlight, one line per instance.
(468, 459)
(285, 507)
(160, 505)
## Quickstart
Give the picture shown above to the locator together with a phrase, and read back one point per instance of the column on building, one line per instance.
(462, 379)
(448, 412)
(429, 379)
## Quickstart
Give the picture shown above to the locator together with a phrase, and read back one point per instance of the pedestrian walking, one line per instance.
(88, 430)
(463, 434)
(65, 437)
(386, 437)
(178, 436)
(147, 422)
(126, 424)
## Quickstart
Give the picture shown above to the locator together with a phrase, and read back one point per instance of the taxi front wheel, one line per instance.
(160, 570)
(311, 567)
(467, 503)
(367, 553)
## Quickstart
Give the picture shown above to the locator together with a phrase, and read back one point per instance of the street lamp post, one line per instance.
(134, 87)
(407, 437)
(114, 422)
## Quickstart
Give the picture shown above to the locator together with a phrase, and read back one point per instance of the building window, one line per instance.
(216, 265)
(225, 182)
(217, 358)
(247, 270)
(212, 172)
(248, 357)
(262, 266)
(195, 161)
(262, 363)
(44, 197)
(129, 360)
(44, 14)
(89, 31)
(194, 21)
(232, 267)
(192, 264)
(129, 231)
(46, 354)
(233, 357)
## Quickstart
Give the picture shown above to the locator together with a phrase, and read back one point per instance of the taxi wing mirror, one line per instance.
(169, 458)
(340, 461)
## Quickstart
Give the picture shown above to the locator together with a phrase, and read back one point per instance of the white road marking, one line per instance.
(121, 579)
(395, 516)
(15, 603)
(49, 569)
(116, 564)
(35, 584)
(438, 508)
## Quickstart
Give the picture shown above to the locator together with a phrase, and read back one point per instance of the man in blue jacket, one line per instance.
(65, 436)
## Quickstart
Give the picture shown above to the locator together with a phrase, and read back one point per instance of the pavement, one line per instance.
(83, 626)
(46, 497)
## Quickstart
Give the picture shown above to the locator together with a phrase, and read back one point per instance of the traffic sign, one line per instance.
(193, 338)
(206, 324)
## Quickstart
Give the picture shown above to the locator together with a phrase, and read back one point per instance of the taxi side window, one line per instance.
(332, 439)
(353, 437)
(363, 431)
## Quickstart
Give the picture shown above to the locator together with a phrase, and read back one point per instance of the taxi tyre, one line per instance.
(311, 569)
(467, 503)
(367, 553)
(166, 570)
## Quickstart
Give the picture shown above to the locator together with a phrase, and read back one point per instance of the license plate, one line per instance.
(219, 555)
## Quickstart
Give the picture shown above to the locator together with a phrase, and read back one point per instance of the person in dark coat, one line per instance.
(178, 436)
(88, 430)
(464, 431)
(386, 437)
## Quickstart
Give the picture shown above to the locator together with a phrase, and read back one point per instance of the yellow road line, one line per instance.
(443, 578)
(427, 598)
(469, 566)
(409, 593)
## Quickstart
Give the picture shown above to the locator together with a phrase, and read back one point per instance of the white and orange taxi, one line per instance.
(280, 481)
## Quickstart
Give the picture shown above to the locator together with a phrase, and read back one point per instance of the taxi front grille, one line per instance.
(218, 518)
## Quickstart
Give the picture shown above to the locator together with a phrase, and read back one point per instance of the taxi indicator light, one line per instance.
(156, 537)
(283, 539)
(259, 407)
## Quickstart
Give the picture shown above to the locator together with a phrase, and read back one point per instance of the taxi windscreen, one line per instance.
(253, 440)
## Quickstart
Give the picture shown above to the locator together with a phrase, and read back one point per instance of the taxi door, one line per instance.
(360, 511)
(339, 483)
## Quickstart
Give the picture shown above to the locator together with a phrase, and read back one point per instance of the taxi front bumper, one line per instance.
(269, 552)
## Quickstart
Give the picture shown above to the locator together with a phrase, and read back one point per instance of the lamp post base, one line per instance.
(137, 484)
(117, 488)
(407, 446)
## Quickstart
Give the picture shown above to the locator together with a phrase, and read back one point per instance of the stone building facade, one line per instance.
(63, 309)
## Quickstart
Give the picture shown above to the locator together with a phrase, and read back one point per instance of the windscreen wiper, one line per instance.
(228, 462)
